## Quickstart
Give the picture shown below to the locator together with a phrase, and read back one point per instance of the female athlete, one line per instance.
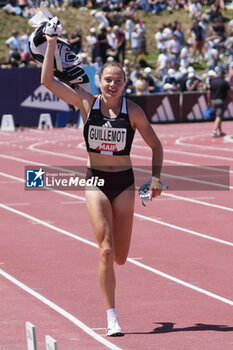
(110, 121)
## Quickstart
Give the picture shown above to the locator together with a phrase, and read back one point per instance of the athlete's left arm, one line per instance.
(139, 121)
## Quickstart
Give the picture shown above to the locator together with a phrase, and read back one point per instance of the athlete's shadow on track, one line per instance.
(168, 327)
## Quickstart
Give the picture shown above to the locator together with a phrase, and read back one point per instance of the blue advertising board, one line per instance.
(22, 95)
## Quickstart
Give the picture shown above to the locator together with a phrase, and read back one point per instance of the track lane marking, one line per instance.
(180, 139)
(31, 147)
(132, 261)
(59, 310)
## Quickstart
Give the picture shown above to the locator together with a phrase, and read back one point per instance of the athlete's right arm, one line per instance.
(61, 90)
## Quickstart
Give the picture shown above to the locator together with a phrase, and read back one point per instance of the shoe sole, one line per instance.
(117, 334)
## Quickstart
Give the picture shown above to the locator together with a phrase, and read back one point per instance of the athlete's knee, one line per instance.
(107, 255)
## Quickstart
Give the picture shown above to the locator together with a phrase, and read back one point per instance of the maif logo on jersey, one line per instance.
(107, 139)
(35, 178)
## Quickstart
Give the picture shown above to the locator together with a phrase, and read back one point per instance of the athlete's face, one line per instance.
(112, 81)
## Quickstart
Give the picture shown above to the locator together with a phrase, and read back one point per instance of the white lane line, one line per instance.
(199, 155)
(180, 139)
(61, 311)
(209, 168)
(192, 200)
(175, 227)
(183, 283)
(18, 204)
(227, 187)
(146, 267)
(32, 148)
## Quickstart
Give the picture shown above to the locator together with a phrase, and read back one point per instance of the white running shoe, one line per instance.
(114, 330)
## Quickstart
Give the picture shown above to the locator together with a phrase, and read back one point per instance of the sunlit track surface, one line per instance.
(175, 291)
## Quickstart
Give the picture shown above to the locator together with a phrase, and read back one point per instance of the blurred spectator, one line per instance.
(76, 41)
(203, 23)
(129, 27)
(99, 18)
(193, 82)
(229, 50)
(163, 63)
(60, 5)
(174, 48)
(195, 9)
(25, 52)
(85, 58)
(181, 82)
(152, 82)
(136, 42)
(129, 87)
(169, 81)
(142, 29)
(137, 69)
(27, 8)
(91, 41)
(160, 39)
(158, 6)
(15, 58)
(102, 44)
(229, 77)
(111, 38)
(218, 91)
(214, 12)
(12, 8)
(218, 28)
(140, 85)
(120, 43)
(131, 11)
(13, 42)
(180, 34)
(98, 64)
(211, 55)
(197, 30)
(4, 63)
(127, 66)
(185, 56)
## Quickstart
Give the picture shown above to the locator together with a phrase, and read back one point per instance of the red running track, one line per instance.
(175, 291)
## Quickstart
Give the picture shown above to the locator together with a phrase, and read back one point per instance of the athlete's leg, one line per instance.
(218, 124)
(123, 209)
(100, 212)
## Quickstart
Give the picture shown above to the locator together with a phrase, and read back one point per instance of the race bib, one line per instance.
(107, 140)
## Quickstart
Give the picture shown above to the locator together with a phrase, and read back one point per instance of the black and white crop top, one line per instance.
(111, 136)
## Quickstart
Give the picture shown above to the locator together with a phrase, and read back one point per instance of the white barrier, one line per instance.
(7, 123)
(45, 121)
(50, 343)
(31, 336)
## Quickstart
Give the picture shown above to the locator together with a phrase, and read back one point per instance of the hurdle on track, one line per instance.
(50, 343)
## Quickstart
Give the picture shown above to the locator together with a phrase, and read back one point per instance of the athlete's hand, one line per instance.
(155, 188)
(51, 39)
